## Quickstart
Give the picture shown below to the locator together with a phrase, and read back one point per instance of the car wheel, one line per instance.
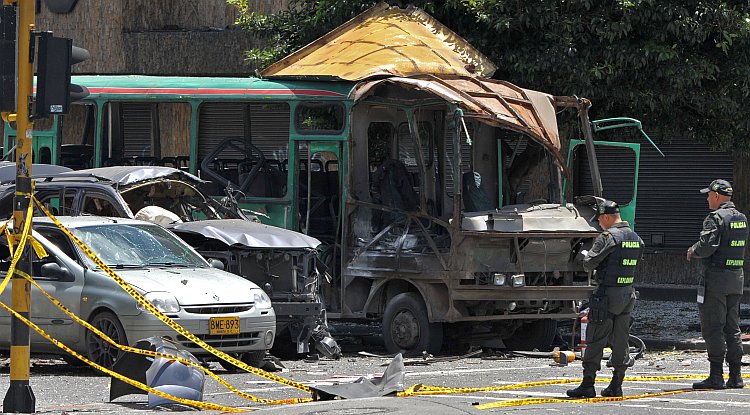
(537, 335)
(229, 367)
(254, 359)
(98, 350)
(406, 328)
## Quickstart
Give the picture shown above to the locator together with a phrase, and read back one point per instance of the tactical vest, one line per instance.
(618, 269)
(731, 251)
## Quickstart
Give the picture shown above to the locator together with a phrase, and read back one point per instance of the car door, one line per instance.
(59, 201)
(66, 289)
(97, 203)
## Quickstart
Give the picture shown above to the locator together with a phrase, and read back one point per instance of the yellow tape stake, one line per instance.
(150, 353)
(166, 320)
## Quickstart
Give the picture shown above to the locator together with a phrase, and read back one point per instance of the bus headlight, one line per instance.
(518, 280)
(499, 279)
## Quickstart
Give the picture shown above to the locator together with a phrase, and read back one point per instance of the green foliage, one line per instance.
(681, 66)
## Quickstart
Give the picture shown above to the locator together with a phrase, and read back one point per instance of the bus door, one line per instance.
(618, 167)
(618, 162)
(319, 189)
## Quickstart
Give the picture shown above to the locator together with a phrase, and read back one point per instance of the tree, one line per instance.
(681, 66)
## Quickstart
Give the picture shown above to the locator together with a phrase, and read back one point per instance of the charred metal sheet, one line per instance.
(391, 381)
(530, 218)
(128, 175)
(497, 103)
(385, 41)
(249, 234)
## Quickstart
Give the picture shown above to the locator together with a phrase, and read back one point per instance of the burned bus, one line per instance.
(446, 206)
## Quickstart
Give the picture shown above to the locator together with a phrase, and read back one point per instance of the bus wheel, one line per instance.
(406, 328)
(537, 335)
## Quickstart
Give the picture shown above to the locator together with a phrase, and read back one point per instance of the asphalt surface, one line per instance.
(62, 389)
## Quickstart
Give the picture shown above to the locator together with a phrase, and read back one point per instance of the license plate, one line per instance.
(224, 325)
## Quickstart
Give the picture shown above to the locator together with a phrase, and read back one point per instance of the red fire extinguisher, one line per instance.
(584, 326)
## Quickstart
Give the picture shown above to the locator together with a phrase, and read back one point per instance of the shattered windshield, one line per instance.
(124, 245)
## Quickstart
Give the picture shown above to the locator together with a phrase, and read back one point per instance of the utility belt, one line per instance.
(599, 303)
(598, 306)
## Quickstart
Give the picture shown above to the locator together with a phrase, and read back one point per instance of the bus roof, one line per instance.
(182, 87)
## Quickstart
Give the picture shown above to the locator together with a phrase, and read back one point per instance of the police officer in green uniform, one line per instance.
(721, 247)
(614, 256)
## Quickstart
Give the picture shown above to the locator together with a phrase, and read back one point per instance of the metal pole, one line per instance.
(20, 397)
(583, 114)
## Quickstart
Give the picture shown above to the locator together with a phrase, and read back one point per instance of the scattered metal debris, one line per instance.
(391, 381)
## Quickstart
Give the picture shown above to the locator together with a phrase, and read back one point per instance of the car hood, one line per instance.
(192, 286)
(244, 233)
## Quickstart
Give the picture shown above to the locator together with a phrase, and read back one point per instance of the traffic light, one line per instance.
(54, 92)
(8, 59)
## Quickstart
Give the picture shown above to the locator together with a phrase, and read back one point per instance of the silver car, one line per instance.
(226, 311)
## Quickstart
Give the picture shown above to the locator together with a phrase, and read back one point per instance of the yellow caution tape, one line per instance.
(166, 320)
(38, 248)
(419, 389)
(536, 401)
(139, 385)
(155, 354)
(17, 254)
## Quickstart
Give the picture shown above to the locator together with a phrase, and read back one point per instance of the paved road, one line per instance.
(61, 389)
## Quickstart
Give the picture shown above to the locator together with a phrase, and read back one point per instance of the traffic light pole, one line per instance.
(20, 397)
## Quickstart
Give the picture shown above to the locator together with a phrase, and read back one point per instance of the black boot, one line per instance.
(735, 377)
(585, 389)
(615, 386)
(715, 379)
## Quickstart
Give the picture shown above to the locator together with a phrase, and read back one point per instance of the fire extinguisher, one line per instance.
(584, 326)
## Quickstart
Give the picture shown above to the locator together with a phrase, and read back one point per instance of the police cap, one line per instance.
(606, 207)
(719, 186)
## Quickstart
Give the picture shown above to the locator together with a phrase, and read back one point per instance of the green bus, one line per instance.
(445, 205)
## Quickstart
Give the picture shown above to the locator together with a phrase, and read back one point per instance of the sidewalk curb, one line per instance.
(689, 344)
(674, 292)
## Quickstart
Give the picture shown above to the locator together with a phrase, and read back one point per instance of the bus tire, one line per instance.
(537, 335)
(406, 328)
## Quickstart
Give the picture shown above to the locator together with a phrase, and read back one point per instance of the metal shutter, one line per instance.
(218, 121)
(269, 129)
(137, 139)
(670, 210)
(670, 206)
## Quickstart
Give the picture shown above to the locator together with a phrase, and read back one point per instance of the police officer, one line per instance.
(721, 247)
(614, 255)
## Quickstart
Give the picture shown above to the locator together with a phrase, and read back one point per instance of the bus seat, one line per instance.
(474, 197)
(76, 156)
(166, 162)
(393, 182)
(183, 162)
(332, 165)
